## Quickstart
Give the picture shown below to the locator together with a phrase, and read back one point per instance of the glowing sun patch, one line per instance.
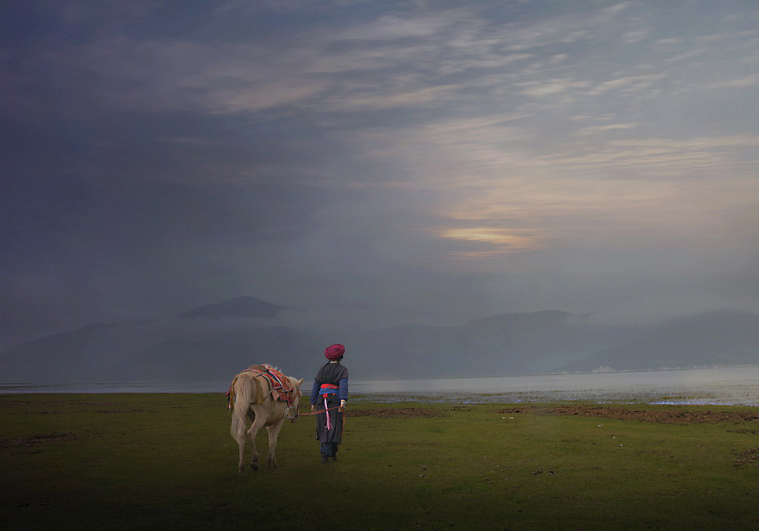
(499, 241)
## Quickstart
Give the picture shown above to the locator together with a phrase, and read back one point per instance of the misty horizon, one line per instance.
(213, 341)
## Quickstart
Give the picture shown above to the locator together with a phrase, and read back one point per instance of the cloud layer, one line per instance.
(420, 161)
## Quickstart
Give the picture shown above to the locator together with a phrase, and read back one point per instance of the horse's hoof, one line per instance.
(241, 469)
(254, 466)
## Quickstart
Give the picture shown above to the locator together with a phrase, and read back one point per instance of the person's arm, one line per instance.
(343, 391)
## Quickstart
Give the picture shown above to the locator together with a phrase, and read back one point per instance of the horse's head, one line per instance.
(294, 409)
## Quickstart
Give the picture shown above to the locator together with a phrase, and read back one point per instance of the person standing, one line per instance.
(329, 395)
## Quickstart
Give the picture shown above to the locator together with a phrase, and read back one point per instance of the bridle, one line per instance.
(293, 408)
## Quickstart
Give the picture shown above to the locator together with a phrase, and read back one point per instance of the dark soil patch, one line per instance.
(413, 444)
(12, 403)
(394, 413)
(749, 457)
(43, 438)
(666, 416)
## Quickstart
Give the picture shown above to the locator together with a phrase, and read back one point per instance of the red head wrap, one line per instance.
(334, 352)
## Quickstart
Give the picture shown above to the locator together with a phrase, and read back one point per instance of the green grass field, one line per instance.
(167, 461)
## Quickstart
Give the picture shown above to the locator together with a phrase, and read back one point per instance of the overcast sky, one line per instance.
(426, 161)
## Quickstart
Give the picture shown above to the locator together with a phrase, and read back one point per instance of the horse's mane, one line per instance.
(263, 367)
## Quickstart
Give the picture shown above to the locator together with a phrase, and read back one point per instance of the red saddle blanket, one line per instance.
(280, 385)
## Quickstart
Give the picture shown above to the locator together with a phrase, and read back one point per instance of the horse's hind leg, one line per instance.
(238, 434)
(241, 461)
(271, 459)
(252, 432)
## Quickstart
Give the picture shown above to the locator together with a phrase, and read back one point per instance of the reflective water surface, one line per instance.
(723, 386)
(719, 386)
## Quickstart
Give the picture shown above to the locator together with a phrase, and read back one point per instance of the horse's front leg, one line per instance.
(258, 423)
(271, 459)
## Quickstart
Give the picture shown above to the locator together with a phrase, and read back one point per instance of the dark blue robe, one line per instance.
(334, 374)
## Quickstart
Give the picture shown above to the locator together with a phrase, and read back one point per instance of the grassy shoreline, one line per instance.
(143, 461)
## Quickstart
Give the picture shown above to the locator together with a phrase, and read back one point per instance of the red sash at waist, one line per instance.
(326, 389)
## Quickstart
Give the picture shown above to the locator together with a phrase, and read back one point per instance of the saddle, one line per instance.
(280, 385)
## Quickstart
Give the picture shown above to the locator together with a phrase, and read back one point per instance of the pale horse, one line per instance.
(248, 389)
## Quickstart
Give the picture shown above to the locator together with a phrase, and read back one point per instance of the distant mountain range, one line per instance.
(239, 308)
(214, 342)
(712, 338)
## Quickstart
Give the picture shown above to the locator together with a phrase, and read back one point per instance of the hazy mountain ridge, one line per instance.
(239, 307)
(219, 341)
(723, 337)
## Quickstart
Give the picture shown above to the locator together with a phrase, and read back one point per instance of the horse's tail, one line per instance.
(245, 391)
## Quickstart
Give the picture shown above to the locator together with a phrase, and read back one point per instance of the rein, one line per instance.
(321, 411)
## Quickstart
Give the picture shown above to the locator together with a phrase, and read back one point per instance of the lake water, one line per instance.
(718, 386)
